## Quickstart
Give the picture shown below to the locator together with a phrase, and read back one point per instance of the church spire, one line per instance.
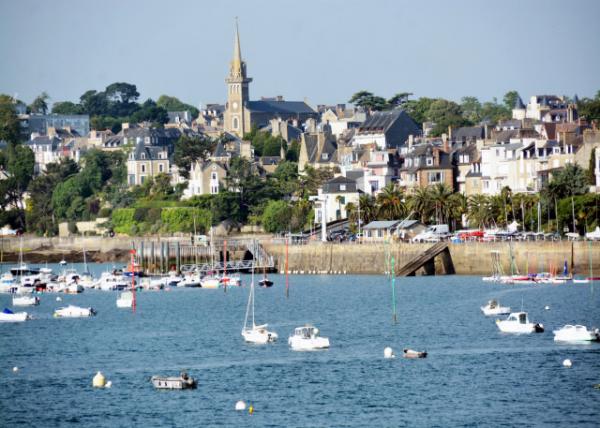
(236, 62)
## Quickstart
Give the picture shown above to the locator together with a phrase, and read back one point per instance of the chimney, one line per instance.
(125, 125)
(411, 141)
(445, 142)
(449, 132)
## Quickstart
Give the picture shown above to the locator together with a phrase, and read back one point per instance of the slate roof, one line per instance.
(151, 152)
(284, 107)
(333, 185)
(44, 140)
(407, 224)
(312, 149)
(292, 131)
(396, 124)
(382, 224)
(519, 104)
(468, 133)
(505, 136)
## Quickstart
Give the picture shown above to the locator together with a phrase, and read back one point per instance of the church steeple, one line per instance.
(236, 62)
(237, 91)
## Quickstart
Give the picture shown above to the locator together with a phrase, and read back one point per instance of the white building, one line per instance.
(333, 198)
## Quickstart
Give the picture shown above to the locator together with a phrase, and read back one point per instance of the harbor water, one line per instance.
(473, 374)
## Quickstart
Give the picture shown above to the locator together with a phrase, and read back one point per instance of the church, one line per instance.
(241, 114)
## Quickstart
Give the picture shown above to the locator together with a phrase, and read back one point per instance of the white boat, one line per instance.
(256, 333)
(9, 316)
(25, 300)
(210, 281)
(493, 308)
(109, 282)
(125, 300)
(152, 284)
(593, 236)
(183, 381)
(518, 322)
(8, 283)
(307, 339)
(576, 333)
(190, 280)
(72, 311)
(73, 288)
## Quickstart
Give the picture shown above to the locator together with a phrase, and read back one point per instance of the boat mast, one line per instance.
(225, 266)
(133, 279)
(287, 283)
(393, 276)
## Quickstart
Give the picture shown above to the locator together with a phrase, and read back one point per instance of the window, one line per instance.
(235, 123)
(143, 156)
(160, 167)
(143, 167)
(416, 161)
(342, 187)
(429, 161)
(409, 162)
(142, 179)
(213, 176)
(435, 177)
(324, 156)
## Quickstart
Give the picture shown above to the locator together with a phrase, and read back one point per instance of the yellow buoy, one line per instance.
(251, 409)
(99, 380)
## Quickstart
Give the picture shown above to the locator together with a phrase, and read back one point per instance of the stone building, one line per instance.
(241, 114)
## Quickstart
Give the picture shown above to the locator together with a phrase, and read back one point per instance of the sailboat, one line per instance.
(256, 333)
(211, 280)
(265, 282)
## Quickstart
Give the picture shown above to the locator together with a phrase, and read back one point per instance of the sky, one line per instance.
(322, 51)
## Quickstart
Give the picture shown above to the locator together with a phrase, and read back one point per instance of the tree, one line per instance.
(368, 209)
(390, 203)
(18, 162)
(368, 101)
(444, 114)
(418, 109)
(479, 210)
(10, 129)
(440, 194)
(570, 181)
(293, 152)
(494, 112)
(471, 108)
(189, 149)
(174, 104)
(286, 176)
(590, 173)
(276, 217)
(40, 105)
(122, 99)
(589, 108)
(510, 99)
(150, 112)
(399, 99)
(94, 103)
(421, 203)
(66, 107)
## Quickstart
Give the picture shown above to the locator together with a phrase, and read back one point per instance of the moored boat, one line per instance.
(73, 311)
(210, 281)
(518, 322)
(25, 300)
(576, 333)
(183, 381)
(125, 300)
(409, 353)
(9, 316)
(307, 338)
(493, 308)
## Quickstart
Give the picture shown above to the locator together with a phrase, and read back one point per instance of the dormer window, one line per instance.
(416, 161)
(143, 156)
(342, 187)
(324, 156)
(429, 161)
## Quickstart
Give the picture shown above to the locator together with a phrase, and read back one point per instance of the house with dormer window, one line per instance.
(426, 164)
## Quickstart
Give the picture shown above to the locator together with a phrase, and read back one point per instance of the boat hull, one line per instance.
(310, 344)
(17, 317)
(578, 333)
(259, 336)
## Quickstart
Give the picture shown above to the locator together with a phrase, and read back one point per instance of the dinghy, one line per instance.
(25, 300)
(72, 311)
(9, 316)
(183, 381)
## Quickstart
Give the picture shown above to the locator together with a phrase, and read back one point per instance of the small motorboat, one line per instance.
(25, 300)
(518, 322)
(74, 288)
(191, 280)
(211, 282)
(63, 262)
(493, 308)
(576, 333)
(307, 339)
(409, 353)
(183, 381)
(9, 316)
(72, 311)
(125, 300)
(265, 282)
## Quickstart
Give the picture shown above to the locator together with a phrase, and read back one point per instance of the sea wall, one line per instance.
(474, 258)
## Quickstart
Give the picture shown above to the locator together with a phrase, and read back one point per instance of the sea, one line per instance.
(473, 375)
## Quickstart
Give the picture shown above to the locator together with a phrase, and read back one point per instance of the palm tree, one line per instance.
(479, 210)
(390, 203)
(368, 209)
(440, 195)
(339, 199)
(457, 204)
(420, 202)
(352, 213)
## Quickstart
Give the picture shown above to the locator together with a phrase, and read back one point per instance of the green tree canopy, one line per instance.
(276, 217)
(40, 104)
(445, 113)
(510, 99)
(174, 104)
(189, 149)
(10, 128)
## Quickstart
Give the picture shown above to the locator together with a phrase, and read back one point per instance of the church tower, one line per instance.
(237, 92)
